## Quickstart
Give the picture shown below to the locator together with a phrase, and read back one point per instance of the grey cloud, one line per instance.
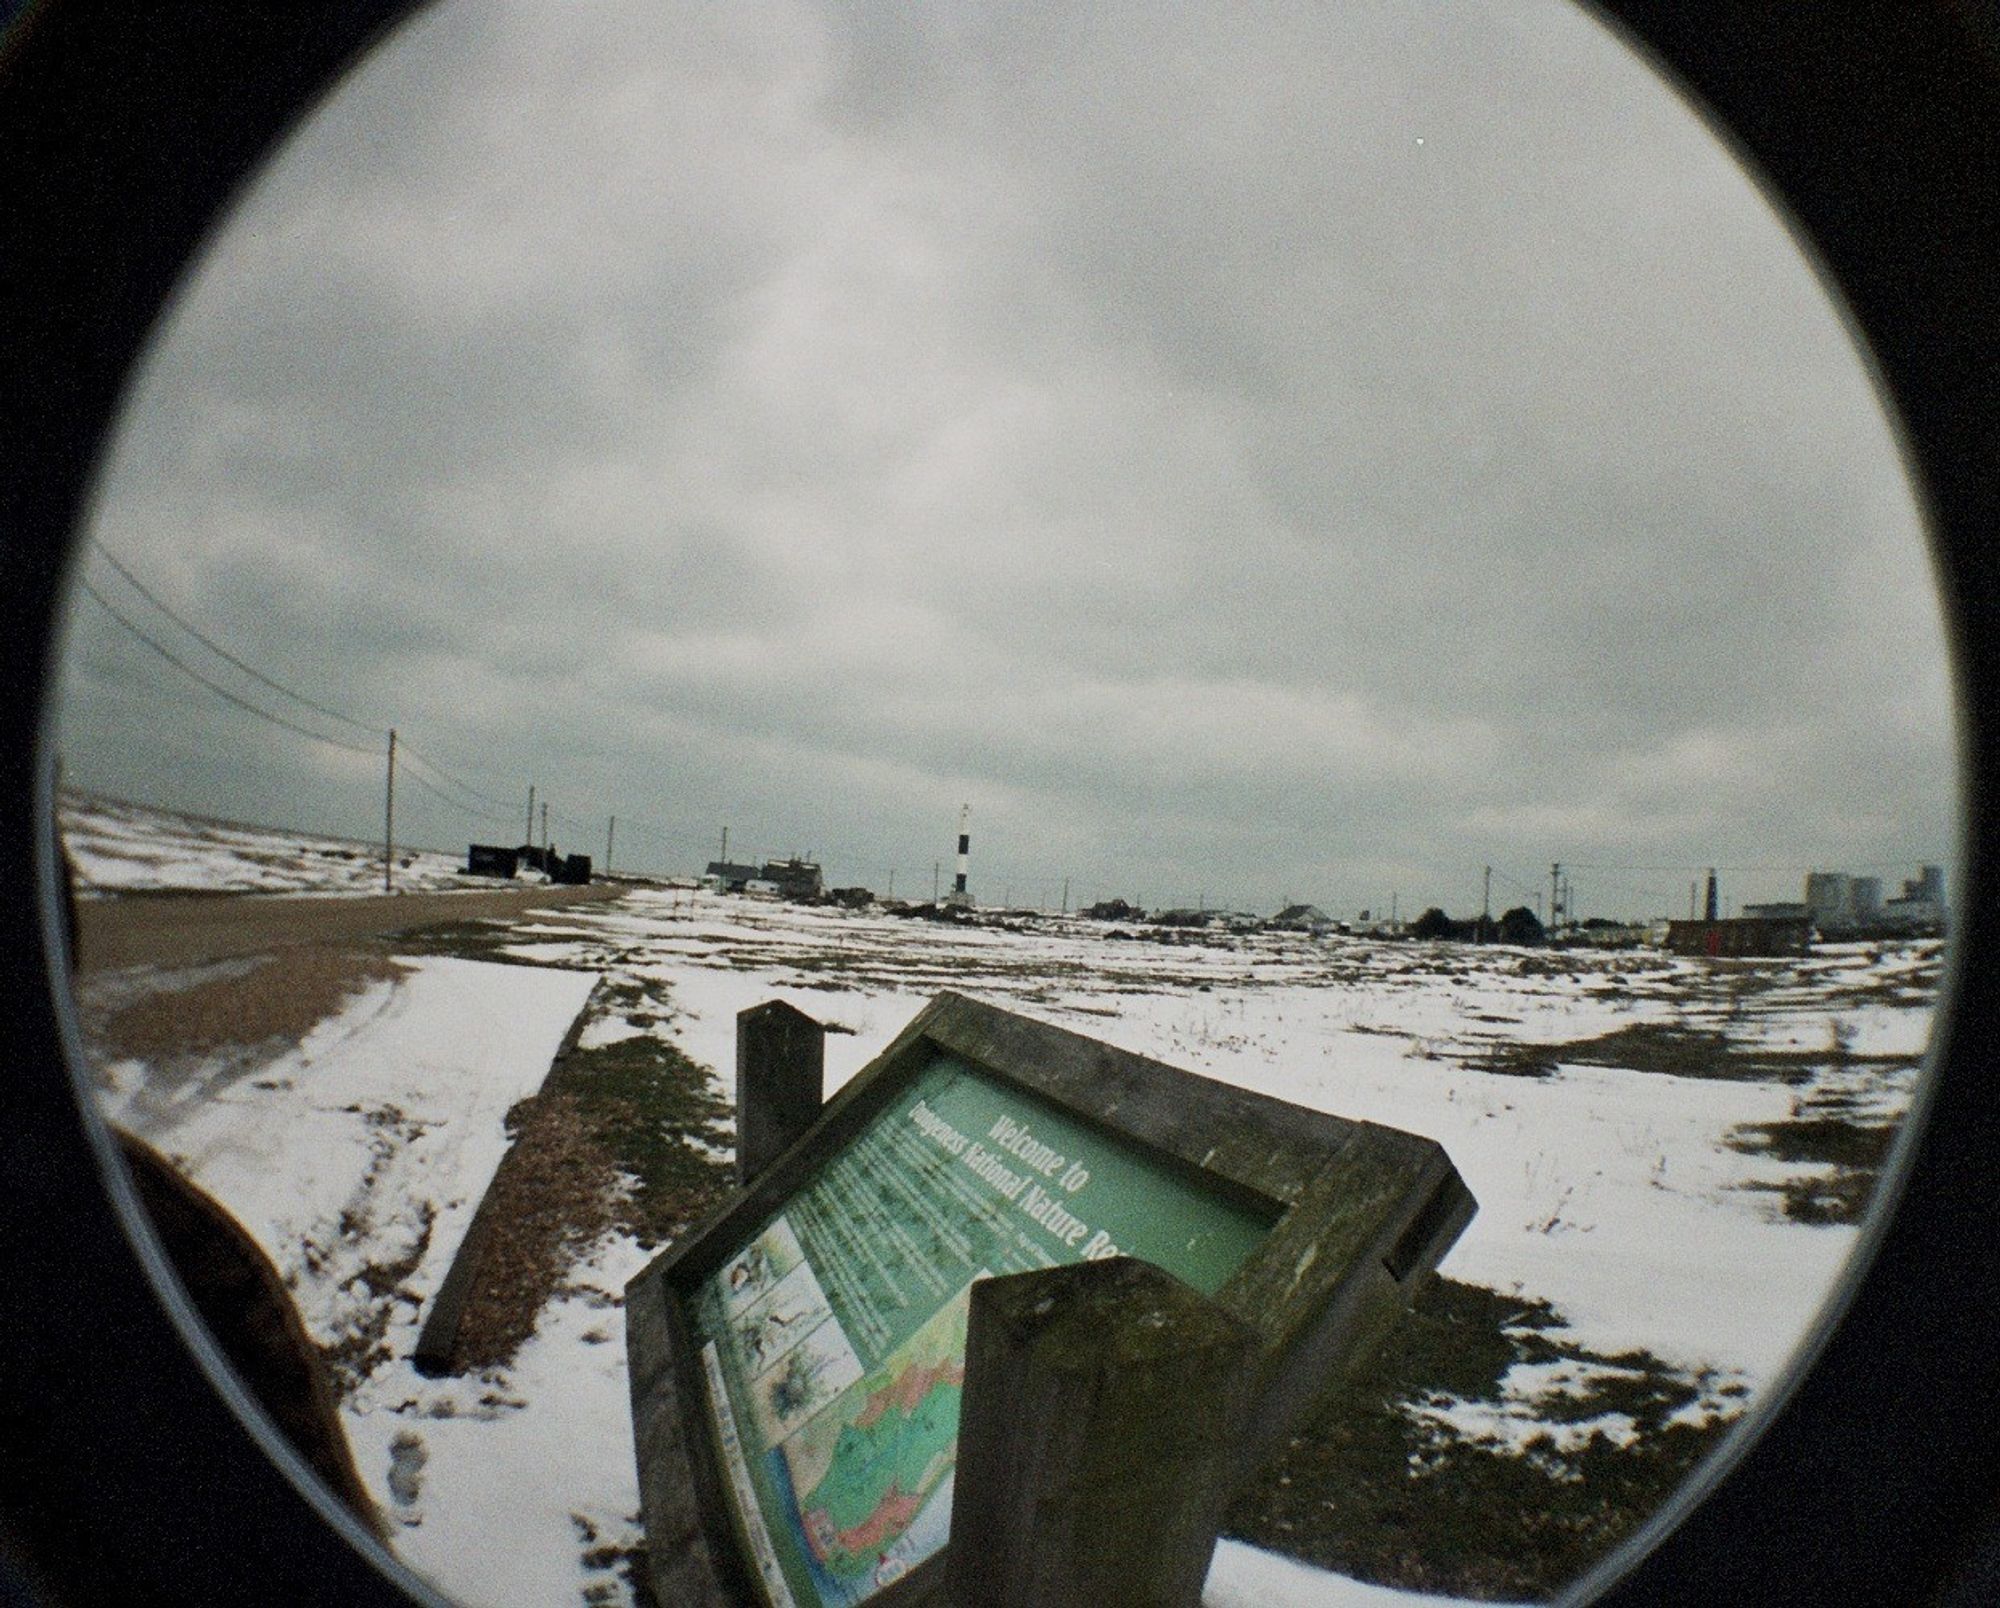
(813, 417)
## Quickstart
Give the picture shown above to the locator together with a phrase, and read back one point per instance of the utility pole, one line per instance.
(1555, 895)
(1065, 896)
(1486, 907)
(529, 836)
(609, 831)
(545, 834)
(389, 822)
(937, 870)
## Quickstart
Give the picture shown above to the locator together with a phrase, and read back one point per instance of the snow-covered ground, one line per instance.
(1613, 1194)
(128, 848)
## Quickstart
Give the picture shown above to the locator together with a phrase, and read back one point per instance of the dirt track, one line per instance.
(185, 929)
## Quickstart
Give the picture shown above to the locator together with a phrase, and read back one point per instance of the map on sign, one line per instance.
(833, 1342)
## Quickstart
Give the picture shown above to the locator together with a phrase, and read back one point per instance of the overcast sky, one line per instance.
(1298, 452)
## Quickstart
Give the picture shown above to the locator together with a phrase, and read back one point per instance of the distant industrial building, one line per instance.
(1838, 902)
(1849, 906)
(1921, 908)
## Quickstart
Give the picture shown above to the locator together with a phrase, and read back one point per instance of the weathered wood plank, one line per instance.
(1097, 1439)
(780, 1082)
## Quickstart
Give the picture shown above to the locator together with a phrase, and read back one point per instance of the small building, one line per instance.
(794, 878)
(1186, 918)
(724, 876)
(491, 860)
(1741, 936)
(572, 870)
(1302, 918)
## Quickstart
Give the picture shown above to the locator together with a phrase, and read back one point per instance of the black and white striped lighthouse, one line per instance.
(959, 895)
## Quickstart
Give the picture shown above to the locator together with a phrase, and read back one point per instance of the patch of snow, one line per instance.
(1248, 1577)
(130, 848)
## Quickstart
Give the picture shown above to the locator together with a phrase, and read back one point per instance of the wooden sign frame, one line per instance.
(1357, 1213)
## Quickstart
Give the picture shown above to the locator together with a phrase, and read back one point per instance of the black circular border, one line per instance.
(125, 1472)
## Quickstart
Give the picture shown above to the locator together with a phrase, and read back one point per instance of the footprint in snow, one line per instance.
(407, 1456)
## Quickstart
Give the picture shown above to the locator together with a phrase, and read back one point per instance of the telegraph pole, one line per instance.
(937, 869)
(1486, 907)
(545, 834)
(1065, 895)
(529, 836)
(1555, 896)
(608, 833)
(389, 822)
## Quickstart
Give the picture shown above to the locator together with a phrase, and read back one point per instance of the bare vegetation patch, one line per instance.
(1380, 1487)
(1847, 1153)
(552, 1195)
(1676, 1048)
(280, 999)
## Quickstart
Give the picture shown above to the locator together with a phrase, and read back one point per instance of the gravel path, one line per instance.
(186, 929)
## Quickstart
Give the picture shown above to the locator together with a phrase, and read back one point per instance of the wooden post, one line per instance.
(1098, 1439)
(780, 1076)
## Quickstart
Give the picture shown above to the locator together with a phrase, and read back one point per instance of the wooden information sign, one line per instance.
(797, 1363)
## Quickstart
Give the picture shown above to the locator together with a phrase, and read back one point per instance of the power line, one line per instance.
(220, 691)
(408, 753)
(217, 648)
(446, 776)
(486, 815)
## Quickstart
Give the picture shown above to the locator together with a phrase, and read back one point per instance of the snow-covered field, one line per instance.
(1624, 1197)
(128, 848)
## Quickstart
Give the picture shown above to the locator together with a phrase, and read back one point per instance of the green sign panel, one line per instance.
(832, 1342)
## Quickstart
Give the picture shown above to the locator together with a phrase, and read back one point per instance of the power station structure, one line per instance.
(959, 898)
